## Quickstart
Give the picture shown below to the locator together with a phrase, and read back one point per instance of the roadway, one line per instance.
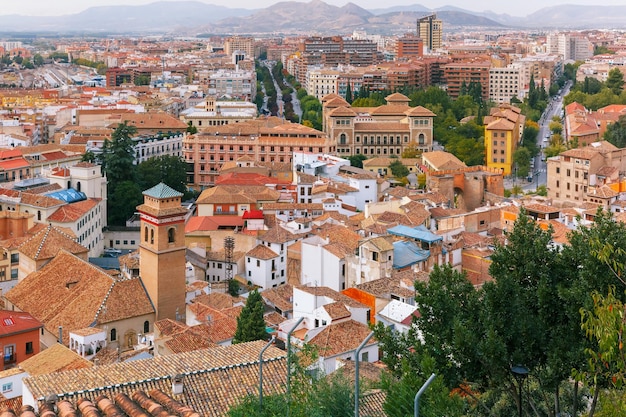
(538, 164)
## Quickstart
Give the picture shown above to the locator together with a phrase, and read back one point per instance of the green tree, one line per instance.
(616, 132)
(142, 80)
(411, 151)
(122, 202)
(118, 155)
(591, 85)
(357, 160)
(117, 159)
(349, 94)
(191, 129)
(521, 158)
(398, 169)
(88, 156)
(250, 323)
(233, 287)
(38, 60)
(556, 127)
(601, 50)
(615, 81)
(171, 170)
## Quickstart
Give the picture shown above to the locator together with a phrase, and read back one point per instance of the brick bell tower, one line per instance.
(162, 250)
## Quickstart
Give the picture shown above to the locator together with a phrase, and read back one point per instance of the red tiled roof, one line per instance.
(72, 212)
(208, 223)
(16, 322)
(253, 214)
(11, 153)
(51, 156)
(14, 163)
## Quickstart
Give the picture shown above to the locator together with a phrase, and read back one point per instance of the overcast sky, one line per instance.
(515, 8)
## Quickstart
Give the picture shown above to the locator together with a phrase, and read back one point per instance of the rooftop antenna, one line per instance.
(229, 246)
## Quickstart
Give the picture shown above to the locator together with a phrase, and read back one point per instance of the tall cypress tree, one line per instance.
(250, 323)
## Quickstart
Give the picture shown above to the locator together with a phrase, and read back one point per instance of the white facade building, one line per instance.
(504, 84)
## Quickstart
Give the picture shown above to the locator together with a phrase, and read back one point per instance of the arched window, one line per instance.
(151, 235)
(171, 235)
(78, 186)
(113, 335)
(146, 326)
(421, 139)
(145, 233)
(342, 139)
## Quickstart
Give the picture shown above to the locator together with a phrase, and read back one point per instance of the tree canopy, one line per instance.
(250, 323)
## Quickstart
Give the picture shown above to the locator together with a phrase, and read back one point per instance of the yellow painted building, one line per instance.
(503, 133)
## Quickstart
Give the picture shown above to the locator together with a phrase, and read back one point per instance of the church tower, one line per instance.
(162, 250)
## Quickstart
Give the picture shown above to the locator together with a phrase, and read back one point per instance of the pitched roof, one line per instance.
(56, 358)
(336, 310)
(262, 252)
(75, 294)
(213, 379)
(12, 322)
(281, 297)
(341, 337)
(278, 235)
(69, 213)
(162, 190)
(46, 243)
(233, 194)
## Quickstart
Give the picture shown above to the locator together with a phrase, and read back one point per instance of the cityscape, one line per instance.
(312, 209)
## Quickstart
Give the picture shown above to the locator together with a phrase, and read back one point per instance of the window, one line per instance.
(15, 258)
(258, 263)
(151, 236)
(9, 353)
(7, 387)
(29, 348)
(171, 235)
(146, 326)
(113, 335)
(365, 357)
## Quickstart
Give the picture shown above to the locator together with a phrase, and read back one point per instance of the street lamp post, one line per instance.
(520, 373)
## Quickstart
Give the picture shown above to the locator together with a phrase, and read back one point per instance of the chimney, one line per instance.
(177, 384)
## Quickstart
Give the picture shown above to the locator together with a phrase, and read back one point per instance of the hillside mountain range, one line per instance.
(315, 16)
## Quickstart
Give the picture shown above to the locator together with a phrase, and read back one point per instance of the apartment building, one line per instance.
(458, 74)
(570, 46)
(240, 84)
(504, 84)
(265, 140)
(577, 174)
(321, 82)
(581, 126)
(430, 30)
(503, 132)
(243, 44)
(380, 131)
(214, 112)
(409, 46)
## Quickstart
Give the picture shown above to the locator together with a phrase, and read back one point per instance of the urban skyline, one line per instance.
(46, 8)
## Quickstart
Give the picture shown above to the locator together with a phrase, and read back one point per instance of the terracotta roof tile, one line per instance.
(213, 379)
(262, 252)
(72, 293)
(341, 337)
(48, 242)
(56, 358)
(70, 213)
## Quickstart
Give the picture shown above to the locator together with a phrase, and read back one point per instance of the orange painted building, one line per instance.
(19, 337)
